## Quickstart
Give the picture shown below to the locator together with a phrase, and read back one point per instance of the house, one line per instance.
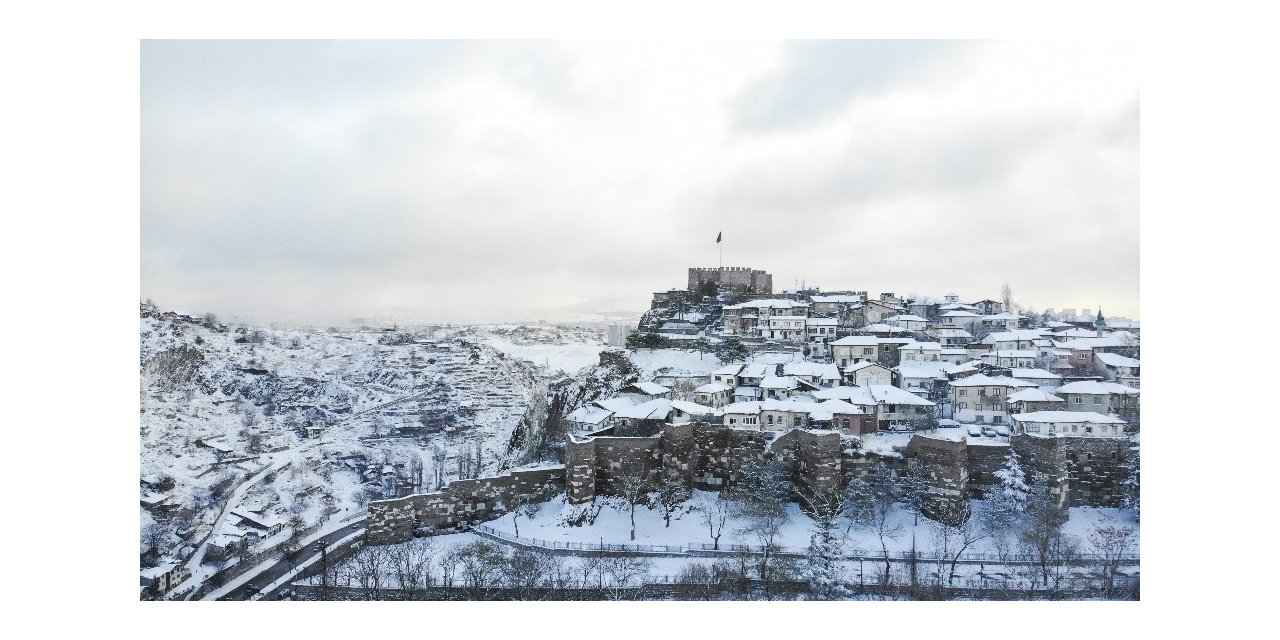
(1029, 400)
(788, 328)
(159, 580)
(950, 337)
(1069, 423)
(714, 394)
(646, 415)
(777, 387)
(875, 311)
(835, 305)
(1101, 397)
(644, 391)
(887, 404)
(925, 351)
(1045, 380)
(923, 377)
(981, 398)
(854, 349)
(882, 330)
(989, 307)
(865, 373)
(907, 321)
(959, 319)
(1011, 359)
(780, 415)
(727, 374)
(820, 331)
(683, 412)
(1002, 321)
(819, 374)
(678, 327)
(1013, 340)
(1117, 368)
(953, 355)
(589, 417)
(751, 375)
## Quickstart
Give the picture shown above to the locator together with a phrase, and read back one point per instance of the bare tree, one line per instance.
(826, 545)
(715, 513)
(1112, 543)
(672, 494)
(371, 565)
(482, 565)
(953, 539)
(623, 574)
(762, 492)
(874, 497)
(410, 562)
(633, 484)
(1042, 537)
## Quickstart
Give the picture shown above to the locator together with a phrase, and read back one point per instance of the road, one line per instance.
(252, 583)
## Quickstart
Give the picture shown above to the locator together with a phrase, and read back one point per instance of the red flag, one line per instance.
(718, 236)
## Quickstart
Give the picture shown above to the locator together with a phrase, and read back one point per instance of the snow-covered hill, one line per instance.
(345, 416)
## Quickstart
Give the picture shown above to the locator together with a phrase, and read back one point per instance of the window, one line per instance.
(979, 419)
(1097, 400)
(997, 419)
(982, 392)
(798, 421)
(962, 393)
(964, 405)
(1073, 428)
(1077, 399)
(771, 419)
(1032, 428)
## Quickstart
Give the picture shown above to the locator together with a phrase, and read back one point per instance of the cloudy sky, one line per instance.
(316, 182)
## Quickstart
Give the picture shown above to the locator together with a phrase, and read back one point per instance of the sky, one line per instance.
(319, 182)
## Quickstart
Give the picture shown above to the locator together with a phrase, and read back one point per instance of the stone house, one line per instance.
(1101, 397)
(907, 321)
(854, 349)
(714, 394)
(818, 374)
(1031, 400)
(1118, 368)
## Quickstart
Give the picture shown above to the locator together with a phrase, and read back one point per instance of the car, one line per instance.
(947, 423)
(1002, 431)
(975, 431)
(989, 432)
(253, 588)
(318, 547)
(900, 426)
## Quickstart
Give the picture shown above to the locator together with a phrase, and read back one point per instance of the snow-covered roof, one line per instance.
(757, 370)
(871, 395)
(1012, 336)
(961, 314)
(1034, 374)
(1033, 395)
(983, 380)
(1004, 316)
(779, 382)
(1116, 360)
(957, 306)
(692, 408)
(856, 341)
(616, 404)
(657, 409)
(713, 387)
(821, 370)
(837, 298)
(949, 333)
(589, 415)
(1066, 416)
(934, 369)
(822, 322)
(859, 366)
(880, 327)
(650, 388)
(963, 367)
(747, 392)
(921, 346)
(1011, 353)
(1091, 343)
(1095, 387)
(906, 317)
(768, 304)
(787, 318)
(728, 370)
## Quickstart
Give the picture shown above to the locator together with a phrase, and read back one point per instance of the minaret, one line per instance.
(1100, 323)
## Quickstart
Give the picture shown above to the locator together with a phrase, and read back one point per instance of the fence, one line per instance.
(702, 548)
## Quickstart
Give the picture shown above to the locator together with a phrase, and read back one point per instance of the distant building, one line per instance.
(737, 279)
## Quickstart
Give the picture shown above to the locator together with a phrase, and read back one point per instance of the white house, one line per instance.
(865, 373)
(714, 394)
(819, 374)
(981, 398)
(854, 349)
(1101, 397)
(931, 351)
(907, 321)
(1045, 380)
(1118, 368)
(1069, 423)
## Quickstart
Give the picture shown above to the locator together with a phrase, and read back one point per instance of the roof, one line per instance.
(880, 327)
(822, 322)
(1066, 416)
(616, 404)
(1006, 336)
(650, 388)
(768, 304)
(822, 370)
(692, 408)
(778, 382)
(945, 332)
(871, 395)
(713, 387)
(728, 370)
(1033, 395)
(1092, 343)
(657, 409)
(983, 380)
(589, 415)
(1004, 316)
(921, 346)
(1012, 353)
(1034, 374)
(936, 369)
(837, 298)
(859, 366)
(906, 317)
(1115, 360)
(961, 314)
(1095, 387)
(757, 370)
(856, 341)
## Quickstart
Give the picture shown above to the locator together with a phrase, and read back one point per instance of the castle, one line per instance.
(736, 279)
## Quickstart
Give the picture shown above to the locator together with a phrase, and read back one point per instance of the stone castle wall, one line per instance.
(1080, 471)
(742, 279)
(459, 503)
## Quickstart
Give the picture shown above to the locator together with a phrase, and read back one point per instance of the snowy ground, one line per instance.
(566, 358)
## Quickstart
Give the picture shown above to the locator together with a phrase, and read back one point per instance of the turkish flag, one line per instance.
(718, 236)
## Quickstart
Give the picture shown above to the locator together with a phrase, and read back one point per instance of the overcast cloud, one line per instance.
(491, 181)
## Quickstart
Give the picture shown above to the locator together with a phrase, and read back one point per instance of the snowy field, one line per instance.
(568, 358)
